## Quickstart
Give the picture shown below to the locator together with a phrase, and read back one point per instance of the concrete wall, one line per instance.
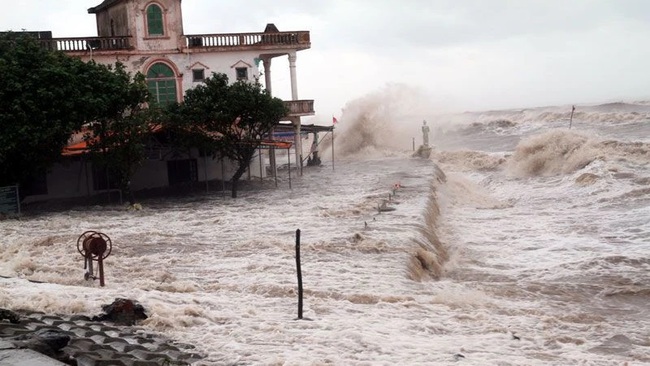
(152, 174)
(119, 17)
(74, 178)
(184, 63)
(130, 18)
(71, 179)
(225, 63)
(173, 25)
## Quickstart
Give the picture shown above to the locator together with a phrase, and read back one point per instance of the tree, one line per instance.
(46, 96)
(118, 135)
(121, 145)
(230, 119)
(42, 102)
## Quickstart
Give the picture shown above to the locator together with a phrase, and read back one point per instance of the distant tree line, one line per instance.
(47, 96)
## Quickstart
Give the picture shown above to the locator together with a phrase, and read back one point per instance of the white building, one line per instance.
(147, 36)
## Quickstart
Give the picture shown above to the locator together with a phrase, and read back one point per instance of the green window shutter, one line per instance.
(155, 20)
(161, 83)
(167, 91)
(153, 91)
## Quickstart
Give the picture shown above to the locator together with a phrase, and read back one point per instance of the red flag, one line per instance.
(334, 120)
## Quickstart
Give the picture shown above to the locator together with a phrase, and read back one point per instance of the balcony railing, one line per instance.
(300, 38)
(303, 107)
(86, 43)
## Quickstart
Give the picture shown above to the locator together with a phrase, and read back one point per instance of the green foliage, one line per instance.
(122, 143)
(46, 96)
(41, 104)
(112, 92)
(119, 133)
(228, 119)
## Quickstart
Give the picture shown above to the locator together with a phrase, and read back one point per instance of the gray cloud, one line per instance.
(382, 25)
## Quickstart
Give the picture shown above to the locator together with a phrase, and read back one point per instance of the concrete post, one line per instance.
(267, 80)
(297, 142)
(267, 74)
(295, 120)
(294, 79)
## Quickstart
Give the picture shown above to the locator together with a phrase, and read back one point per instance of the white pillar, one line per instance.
(294, 80)
(266, 61)
(267, 74)
(297, 142)
(295, 120)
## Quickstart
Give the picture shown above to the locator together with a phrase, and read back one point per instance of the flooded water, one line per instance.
(519, 242)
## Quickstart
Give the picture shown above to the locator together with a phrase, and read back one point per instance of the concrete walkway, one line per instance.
(91, 344)
(12, 356)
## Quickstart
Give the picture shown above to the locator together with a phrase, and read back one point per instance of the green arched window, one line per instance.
(155, 20)
(162, 83)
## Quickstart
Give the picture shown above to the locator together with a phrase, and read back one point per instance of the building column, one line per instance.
(297, 142)
(295, 120)
(294, 80)
(267, 81)
(267, 74)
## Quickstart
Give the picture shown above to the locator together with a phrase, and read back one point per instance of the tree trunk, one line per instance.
(235, 178)
(125, 187)
(129, 195)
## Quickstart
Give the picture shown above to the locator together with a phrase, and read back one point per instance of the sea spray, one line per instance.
(561, 151)
(381, 123)
(470, 160)
(552, 153)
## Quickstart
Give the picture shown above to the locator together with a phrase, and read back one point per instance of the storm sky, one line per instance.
(462, 54)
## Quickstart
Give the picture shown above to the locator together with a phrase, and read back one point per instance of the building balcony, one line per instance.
(249, 41)
(299, 40)
(84, 44)
(299, 108)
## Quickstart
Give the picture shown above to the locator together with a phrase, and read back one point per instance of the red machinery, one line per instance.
(94, 246)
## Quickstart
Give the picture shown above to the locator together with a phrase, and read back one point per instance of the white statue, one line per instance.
(425, 133)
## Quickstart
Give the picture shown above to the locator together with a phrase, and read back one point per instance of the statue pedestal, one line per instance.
(424, 151)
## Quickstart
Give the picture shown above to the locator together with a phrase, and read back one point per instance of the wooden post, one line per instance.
(571, 119)
(85, 162)
(299, 271)
(332, 148)
(274, 167)
(223, 179)
(289, 160)
(259, 151)
(108, 186)
(205, 171)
